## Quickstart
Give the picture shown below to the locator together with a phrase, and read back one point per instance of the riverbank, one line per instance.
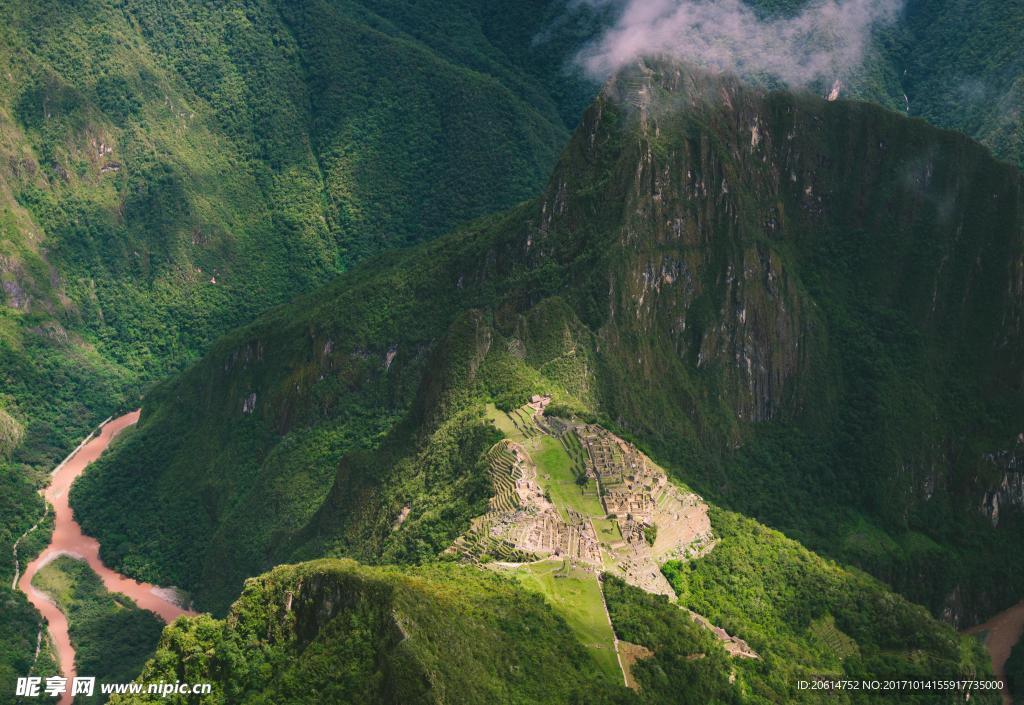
(1002, 632)
(69, 540)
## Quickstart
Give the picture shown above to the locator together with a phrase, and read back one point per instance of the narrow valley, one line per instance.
(68, 540)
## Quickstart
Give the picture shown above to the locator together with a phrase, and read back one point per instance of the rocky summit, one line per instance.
(728, 410)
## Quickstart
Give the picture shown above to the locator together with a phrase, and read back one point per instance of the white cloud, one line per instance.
(824, 41)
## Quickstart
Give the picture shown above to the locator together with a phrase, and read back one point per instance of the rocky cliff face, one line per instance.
(1007, 493)
(778, 258)
(717, 199)
(812, 310)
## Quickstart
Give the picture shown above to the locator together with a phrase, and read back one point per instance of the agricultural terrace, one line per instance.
(571, 501)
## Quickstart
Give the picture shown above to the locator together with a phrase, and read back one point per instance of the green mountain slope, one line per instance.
(820, 336)
(956, 64)
(332, 631)
(965, 71)
(170, 171)
(150, 150)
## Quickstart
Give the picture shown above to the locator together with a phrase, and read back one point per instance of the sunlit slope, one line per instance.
(335, 631)
(169, 171)
(812, 311)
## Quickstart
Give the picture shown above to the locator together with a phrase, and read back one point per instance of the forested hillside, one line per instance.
(810, 311)
(335, 631)
(791, 324)
(956, 64)
(964, 70)
(169, 170)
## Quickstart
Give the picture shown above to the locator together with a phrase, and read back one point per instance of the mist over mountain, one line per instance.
(955, 64)
(736, 308)
(821, 41)
(334, 248)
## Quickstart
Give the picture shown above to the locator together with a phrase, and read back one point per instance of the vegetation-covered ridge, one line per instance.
(112, 637)
(168, 171)
(955, 64)
(335, 631)
(810, 312)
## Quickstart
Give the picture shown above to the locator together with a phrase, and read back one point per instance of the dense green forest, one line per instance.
(620, 290)
(21, 632)
(112, 637)
(171, 171)
(809, 617)
(964, 69)
(168, 172)
(336, 631)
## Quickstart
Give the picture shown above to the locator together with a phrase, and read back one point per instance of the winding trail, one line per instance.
(69, 540)
(1002, 632)
(14, 549)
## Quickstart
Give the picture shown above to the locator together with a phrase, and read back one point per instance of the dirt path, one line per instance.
(1002, 633)
(68, 539)
(14, 549)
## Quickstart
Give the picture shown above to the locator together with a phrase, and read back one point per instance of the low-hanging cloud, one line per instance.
(823, 42)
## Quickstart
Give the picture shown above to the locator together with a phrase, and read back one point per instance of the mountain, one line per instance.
(961, 70)
(169, 172)
(334, 631)
(956, 64)
(790, 303)
(841, 362)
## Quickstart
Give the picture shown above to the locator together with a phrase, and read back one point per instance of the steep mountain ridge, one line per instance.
(962, 69)
(334, 631)
(793, 324)
(171, 171)
(168, 171)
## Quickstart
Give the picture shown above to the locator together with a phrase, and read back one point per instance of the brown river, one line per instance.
(1002, 632)
(69, 540)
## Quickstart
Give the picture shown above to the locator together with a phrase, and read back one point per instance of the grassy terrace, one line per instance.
(555, 471)
(576, 595)
(607, 530)
(505, 424)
